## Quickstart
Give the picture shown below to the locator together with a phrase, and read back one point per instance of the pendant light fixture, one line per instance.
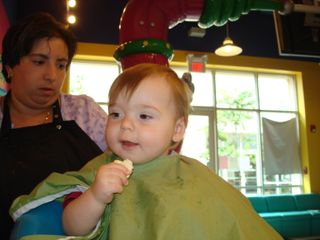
(228, 48)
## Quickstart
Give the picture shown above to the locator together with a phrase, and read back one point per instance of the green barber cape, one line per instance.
(172, 197)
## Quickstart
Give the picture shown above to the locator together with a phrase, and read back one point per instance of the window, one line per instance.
(225, 130)
(228, 127)
(92, 78)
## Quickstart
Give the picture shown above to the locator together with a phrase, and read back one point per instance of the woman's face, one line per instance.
(36, 81)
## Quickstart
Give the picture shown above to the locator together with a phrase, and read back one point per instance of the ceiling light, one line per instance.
(72, 19)
(228, 48)
(72, 3)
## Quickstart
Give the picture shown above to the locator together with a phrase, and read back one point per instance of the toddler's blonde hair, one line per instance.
(130, 79)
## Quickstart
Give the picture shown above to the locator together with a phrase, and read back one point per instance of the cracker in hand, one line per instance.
(127, 163)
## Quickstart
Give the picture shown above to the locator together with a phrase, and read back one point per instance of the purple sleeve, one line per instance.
(90, 117)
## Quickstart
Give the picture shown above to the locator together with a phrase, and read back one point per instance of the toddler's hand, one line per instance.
(110, 179)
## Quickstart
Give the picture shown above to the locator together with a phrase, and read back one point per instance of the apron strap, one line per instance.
(57, 116)
(6, 120)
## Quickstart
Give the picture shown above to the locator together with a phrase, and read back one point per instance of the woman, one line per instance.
(42, 130)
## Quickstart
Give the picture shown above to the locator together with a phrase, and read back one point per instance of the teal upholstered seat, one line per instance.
(291, 215)
(281, 203)
(259, 203)
(308, 201)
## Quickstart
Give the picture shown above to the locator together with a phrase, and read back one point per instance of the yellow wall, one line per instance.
(307, 74)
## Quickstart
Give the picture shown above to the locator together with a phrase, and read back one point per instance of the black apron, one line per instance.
(29, 154)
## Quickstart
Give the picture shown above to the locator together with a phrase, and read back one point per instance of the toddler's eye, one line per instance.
(145, 116)
(114, 115)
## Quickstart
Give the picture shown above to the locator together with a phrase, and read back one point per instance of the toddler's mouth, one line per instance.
(128, 144)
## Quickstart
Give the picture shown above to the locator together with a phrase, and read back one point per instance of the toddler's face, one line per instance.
(144, 126)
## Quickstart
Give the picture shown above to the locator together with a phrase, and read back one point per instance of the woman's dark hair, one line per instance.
(21, 37)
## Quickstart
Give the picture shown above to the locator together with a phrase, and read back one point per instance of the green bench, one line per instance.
(293, 216)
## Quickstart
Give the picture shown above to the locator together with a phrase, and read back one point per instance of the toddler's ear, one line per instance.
(179, 130)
